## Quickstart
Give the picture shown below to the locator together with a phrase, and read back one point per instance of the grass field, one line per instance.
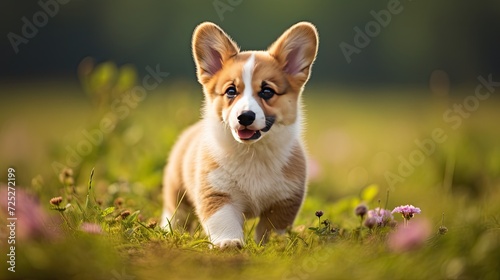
(104, 227)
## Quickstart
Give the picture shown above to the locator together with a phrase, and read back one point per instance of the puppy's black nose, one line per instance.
(246, 118)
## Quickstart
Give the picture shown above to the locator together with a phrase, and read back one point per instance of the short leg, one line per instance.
(166, 219)
(278, 217)
(225, 227)
(177, 211)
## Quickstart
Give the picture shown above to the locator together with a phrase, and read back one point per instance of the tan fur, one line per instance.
(208, 170)
(281, 214)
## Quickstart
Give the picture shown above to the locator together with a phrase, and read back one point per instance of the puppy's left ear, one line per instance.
(296, 50)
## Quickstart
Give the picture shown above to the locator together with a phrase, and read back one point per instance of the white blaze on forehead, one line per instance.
(247, 75)
(247, 101)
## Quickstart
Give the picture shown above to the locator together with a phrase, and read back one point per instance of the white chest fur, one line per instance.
(253, 174)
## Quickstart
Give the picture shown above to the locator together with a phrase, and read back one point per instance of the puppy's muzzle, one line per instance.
(246, 119)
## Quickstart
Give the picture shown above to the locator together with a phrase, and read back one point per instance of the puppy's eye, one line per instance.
(266, 93)
(231, 92)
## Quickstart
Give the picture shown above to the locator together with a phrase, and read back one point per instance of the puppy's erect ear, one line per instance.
(296, 50)
(211, 48)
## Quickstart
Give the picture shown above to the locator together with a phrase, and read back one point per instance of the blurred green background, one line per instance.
(66, 65)
(69, 98)
(460, 37)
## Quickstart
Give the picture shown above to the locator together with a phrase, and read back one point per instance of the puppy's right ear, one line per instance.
(211, 48)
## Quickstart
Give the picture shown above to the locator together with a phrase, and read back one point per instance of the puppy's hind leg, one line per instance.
(176, 208)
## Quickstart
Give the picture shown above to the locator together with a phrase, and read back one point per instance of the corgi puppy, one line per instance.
(245, 157)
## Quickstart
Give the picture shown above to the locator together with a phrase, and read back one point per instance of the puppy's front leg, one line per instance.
(224, 226)
(278, 217)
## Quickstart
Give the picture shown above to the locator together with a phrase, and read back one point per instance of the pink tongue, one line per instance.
(245, 133)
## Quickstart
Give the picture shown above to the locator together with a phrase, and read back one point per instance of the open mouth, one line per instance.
(250, 134)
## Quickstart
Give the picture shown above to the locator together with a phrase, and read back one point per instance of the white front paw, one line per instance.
(229, 244)
(225, 228)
